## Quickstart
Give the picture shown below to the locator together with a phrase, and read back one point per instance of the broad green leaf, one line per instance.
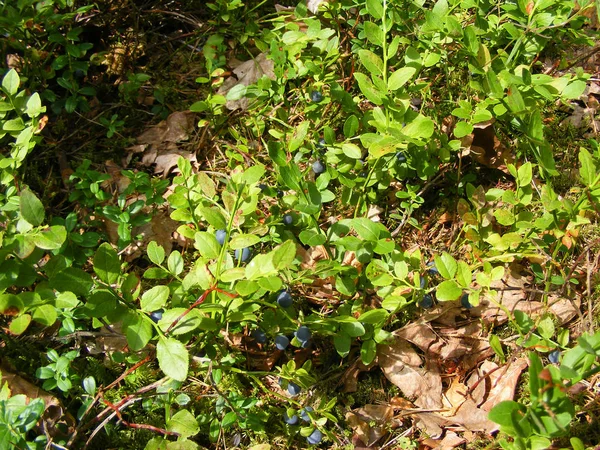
(421, 127)
(342, 343)
(448, 290)
(368, 89)
(156, 253)
(368, 351)
(184, 423)
(464, 275)
(45, 315)
(504, 412)
(374, 316)
(51, 238)
(207, 244)
(175, 263)
(243, 240)
(312, 238)
(353, 329)
(375, 8)
(352, 151)
(10, 82)
(173, 358)
(137, 330)
(587, 171)
(31, 207)
(19, 324)
(34, 106)
(366, 228)
(100, 303)
(371, 61)
(299, 136)
(74, 280)
(350, 127)
(284, 255)
(154, 298)
(229, 419)
(374, 33)
(462, 129)
(213, 216)
(107, 264)
(400, 77)
(446, 265)
(253, 174)
(573, 90)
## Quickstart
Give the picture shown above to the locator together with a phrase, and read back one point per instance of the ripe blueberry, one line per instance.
(302, 334)
(288, 219)
(281, 342)
(321, 143)
(290, 420)
(553, 356)
(156, 315)
(423, 282)
(259, 336)
(293, 388)
(221, 235)
(316, 96)
(284, 299)
(401, 157)
(315, 437)
(432, 269)
(244, 255)
(427, 301)
(464, 301)
(318, 167)
(304, 413)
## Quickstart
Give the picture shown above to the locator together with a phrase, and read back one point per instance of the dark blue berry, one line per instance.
(304, 413)
(221, 235)
(318, 167)
(293, 388)
(156, 315)
(243, 256)
(290, 420)
(281, 342)
(263, 187)
(427, 301)
(423, 282)
(302, 334)
(432, 269)
(259, 336)
(288, 219)
(464, 301)
(553, 356)
(284, 299)
(401, 157)
(315, 437)
(321, 143)
(316, 96)
(280, 193)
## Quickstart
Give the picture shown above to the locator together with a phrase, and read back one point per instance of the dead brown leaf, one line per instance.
(485, 147)
(371, 422)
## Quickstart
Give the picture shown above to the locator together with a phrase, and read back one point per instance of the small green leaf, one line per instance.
(72, 279)
(368, 351)
(11, 82)
(374, 33)
(497, 346)
(175, 263)
(137, 330)
(52, 238)
(207, 245)
(446, 265)
(503, 412)
(374, 316)
(19, 324)
(375, 8)
(352, 151)
(45, 315)
(342, 343)
(155, 298)
(34, 106)
(184, 423)
(31, 207)
(173, 358)
(213, 216)
(448, 290)
(400, 77)
(372, 63)
(243, 240)
(462, 129)
(156, 253)
(587, 170)
(107, 264)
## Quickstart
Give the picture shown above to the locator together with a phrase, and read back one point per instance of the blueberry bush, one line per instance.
(314, 224)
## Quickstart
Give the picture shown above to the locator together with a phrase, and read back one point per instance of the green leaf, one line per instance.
(353, 329)
(31, 208)
(462, 129)
(312, 238)
(352, 151)
(137, 330)
(375, 8)
(350, 127)
(573, 90)
(51, 238)
(368, 89)
(173, 358)
(156, 253)
(299, 136)
(400, 77)
(74, 280)
(446, 265)
(45, 315)
(372, 63)
(342, 343)
(368, 351)
(175, 263)
(421, 127)
(587, 170)
(10, 82)
(464, 275)
(448, 290)
(243, 240)
(503, 412)
(213, 216)
(20, 324)
(100, 304)
(155, 298)
(34, 106)
(374, 33)
(374, 316)
(207, 245)
(284, 255)
(366, 228)
(184, 423)
(107, 264)
(497, 346)
(229, 419)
